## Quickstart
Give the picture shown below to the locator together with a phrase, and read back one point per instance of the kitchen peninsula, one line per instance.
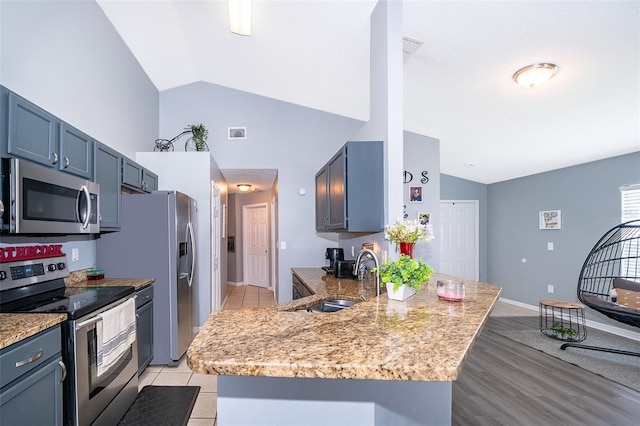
(281, 365)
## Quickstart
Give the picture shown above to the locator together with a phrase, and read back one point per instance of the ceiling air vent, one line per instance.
(409, 47)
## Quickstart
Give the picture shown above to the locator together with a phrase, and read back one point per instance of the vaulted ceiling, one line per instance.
(458, 85)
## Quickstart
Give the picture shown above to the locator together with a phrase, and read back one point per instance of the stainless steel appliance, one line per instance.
(38, 200)
(334, 254)
(35, 284)
(157, 240)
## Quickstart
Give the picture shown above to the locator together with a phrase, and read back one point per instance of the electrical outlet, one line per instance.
(353, 251)
(549, 246)
(550, 288)
(75, 254)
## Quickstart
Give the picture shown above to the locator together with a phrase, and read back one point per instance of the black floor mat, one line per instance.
(162, 405)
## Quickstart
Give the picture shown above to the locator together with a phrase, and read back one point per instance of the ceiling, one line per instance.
(260, 179)
(458, 85)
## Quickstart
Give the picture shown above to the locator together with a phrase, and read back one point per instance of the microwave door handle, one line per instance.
(192, 240)
(85, 190)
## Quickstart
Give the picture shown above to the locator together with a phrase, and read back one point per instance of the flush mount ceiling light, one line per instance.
(534, 75)
(244, 187)
(240, 17)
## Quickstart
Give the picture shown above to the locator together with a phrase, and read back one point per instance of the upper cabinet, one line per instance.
(31, 132)
(76, 152)
(136, 177)
(35, 135)
(350, 191)
(107, 172)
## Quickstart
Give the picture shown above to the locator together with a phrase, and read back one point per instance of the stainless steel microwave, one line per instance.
(38, 200)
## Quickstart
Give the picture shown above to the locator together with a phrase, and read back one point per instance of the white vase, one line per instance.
(404, 292)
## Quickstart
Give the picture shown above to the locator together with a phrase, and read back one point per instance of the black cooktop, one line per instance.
(76, 302)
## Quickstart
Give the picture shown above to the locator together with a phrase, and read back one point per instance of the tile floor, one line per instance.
(204, 411)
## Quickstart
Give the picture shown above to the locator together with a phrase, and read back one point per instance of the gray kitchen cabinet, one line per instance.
(144, 329)
(136, 177)
(31, 381)
(350, 190)
(76, 152)
(35, 135)
(107, 172)
(28, 131)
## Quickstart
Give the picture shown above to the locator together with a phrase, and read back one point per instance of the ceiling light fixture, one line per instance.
(240, 17)
(534, 75)
(244, 187)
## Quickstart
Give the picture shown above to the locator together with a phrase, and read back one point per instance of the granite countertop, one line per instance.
(17, 327)
(79, 279)
(423, 338)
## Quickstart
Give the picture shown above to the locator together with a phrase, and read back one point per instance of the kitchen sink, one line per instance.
(332, 305)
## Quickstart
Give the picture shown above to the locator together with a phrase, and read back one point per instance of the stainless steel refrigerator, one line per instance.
(157, 240)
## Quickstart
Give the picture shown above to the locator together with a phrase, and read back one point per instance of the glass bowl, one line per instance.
(450, 290)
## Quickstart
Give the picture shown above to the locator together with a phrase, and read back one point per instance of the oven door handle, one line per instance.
(88, 322)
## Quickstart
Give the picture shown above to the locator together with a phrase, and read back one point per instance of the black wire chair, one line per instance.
(613, 263)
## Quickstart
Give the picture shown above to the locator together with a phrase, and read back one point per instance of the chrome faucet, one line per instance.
(370, 254)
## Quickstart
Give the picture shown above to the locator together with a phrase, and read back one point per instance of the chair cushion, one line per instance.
(626, 284)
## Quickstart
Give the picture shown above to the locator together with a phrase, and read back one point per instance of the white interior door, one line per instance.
(256, 244)
(459, 228)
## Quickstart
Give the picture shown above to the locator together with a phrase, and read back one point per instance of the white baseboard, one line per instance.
(590, 323)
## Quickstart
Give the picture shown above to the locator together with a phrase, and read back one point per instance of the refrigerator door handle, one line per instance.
(192, 240)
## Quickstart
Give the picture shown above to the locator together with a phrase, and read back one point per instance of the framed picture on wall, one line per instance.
(415, 194)
(550, 219)
(424, 218)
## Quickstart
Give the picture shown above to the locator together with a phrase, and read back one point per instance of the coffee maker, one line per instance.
(334, 254)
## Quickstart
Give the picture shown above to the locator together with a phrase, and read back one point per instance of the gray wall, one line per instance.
(455, 188)
(66, 57)
(589, 199)
(295, 140)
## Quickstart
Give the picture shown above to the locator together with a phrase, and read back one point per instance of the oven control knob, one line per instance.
(51, 267)
(3, 275)
(61, 266)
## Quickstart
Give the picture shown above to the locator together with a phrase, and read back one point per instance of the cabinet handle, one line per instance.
(29, 360)
(64, 371)
(66, 162)
(55, 158)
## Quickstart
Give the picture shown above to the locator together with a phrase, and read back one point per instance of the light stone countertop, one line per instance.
(423, 338)
(17, 327)
(79, 279)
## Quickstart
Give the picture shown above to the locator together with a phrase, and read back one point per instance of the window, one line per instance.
(630, 208)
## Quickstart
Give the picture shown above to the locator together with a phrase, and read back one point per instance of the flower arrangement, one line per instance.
(408, 231)
(405, 270)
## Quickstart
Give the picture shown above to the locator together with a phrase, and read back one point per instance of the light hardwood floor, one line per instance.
(502, 383)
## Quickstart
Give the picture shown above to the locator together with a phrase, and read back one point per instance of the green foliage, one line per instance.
(561, 331)
(405, 270)
(200, 134)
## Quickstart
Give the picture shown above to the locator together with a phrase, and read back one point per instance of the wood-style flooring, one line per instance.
(507, 383)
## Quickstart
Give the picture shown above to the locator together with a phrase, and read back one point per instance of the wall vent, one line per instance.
(409, 47)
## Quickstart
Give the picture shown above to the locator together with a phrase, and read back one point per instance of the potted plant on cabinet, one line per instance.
(403, 277)
(199, 138)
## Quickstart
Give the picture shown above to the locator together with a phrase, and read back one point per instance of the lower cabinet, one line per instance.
(144, 331)
(31, 381)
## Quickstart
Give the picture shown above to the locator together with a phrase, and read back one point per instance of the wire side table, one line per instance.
(563, 320)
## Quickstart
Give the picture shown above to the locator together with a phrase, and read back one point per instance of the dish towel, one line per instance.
(115, 333)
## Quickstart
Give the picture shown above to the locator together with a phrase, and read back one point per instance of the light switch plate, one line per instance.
(75, 254)
(549, 246)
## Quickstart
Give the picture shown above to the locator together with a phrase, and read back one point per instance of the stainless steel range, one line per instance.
(34, 282)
